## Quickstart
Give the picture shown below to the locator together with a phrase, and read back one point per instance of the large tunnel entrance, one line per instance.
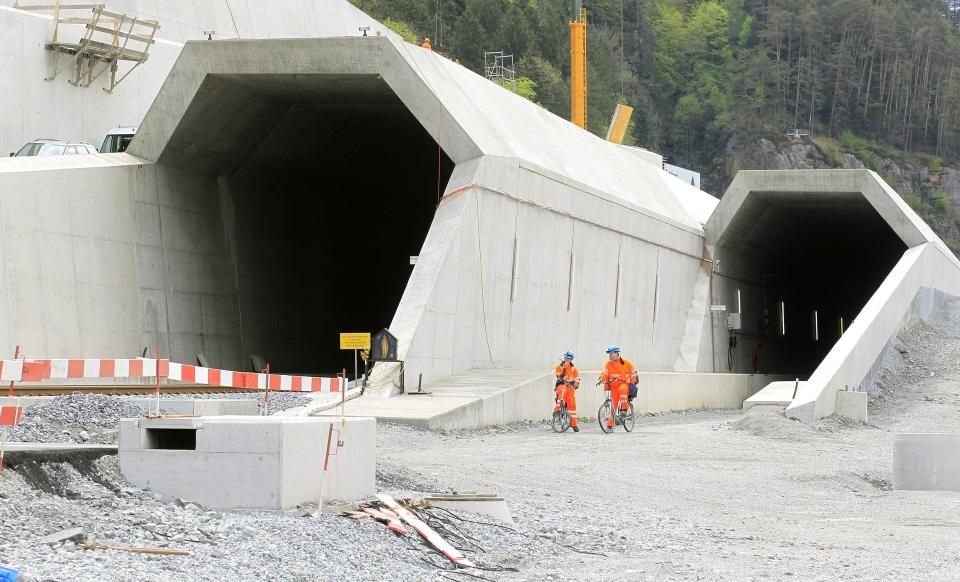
(799, 268)
(327, 186)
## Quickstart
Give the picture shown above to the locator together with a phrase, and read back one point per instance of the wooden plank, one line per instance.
(121, 34)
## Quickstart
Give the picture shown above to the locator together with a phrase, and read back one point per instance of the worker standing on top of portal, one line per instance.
(568, 380)
(426, 43)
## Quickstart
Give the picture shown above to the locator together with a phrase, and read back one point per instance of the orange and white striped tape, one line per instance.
(68, 369)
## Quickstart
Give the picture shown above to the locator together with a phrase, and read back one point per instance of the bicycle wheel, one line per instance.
(604, 415)
(629, 418)
(561, 421)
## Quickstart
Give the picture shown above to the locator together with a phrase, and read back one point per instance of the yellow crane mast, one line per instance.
(578, 65)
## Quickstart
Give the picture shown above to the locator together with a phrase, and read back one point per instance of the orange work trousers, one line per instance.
(568, 395)
(621, 391)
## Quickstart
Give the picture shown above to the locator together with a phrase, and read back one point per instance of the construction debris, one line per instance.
(435, 539)
(72, 534)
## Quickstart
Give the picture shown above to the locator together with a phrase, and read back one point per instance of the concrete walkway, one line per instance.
(475, 399)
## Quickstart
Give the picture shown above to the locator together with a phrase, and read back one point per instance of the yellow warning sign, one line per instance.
(354, 341)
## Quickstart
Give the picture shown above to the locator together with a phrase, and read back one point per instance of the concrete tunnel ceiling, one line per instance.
(824, 252)
(334, 185)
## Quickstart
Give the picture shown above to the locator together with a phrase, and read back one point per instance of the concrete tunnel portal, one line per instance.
(800, 267)
(328, 185)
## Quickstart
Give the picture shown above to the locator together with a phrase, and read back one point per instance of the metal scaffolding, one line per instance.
(108, 38)
(498, 67)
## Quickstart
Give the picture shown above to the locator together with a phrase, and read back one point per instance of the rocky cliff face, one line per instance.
(930, 189)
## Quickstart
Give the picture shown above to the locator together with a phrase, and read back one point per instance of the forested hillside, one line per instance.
(701, 71)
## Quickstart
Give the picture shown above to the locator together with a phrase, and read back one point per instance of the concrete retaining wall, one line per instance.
(658, 393)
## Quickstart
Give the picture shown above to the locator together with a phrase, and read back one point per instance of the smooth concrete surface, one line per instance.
(926, 462)
(243, 462)
(852, 405)
(494, 397)
(200, 406)
(778, 393)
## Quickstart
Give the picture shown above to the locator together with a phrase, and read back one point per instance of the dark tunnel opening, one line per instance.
(328, 206)
(800, 269)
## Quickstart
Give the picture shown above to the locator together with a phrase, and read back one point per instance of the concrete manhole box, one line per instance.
(244, 462)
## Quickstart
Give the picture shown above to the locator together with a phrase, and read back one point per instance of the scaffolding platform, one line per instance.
(108, 38)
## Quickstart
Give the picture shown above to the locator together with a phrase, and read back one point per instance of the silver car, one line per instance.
(54, 147)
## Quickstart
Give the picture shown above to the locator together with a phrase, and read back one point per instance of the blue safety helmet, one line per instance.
(613, 348)
(568, 355)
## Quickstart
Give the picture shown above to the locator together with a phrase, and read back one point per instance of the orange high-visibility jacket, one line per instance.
(570, 374)
(619, 372)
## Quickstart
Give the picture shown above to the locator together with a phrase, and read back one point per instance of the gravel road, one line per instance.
(715, 495)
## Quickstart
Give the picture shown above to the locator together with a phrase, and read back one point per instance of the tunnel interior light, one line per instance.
(841, 325)
(739, 305)
(783, 318)
(816, 326)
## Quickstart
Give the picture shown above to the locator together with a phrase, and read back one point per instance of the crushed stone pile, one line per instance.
(77, 418)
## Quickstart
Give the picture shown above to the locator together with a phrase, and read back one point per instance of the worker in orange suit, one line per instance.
(568, 380)
(617, 375)
(426, 43)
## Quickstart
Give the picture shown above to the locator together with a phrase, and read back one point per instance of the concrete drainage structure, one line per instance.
(245, 462)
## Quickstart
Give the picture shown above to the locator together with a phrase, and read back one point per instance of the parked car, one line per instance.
(117, 140)
(54, 147)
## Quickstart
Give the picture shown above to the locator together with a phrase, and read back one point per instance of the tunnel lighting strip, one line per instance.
(739, 306)
(575, 217)
(816, 326)
(783, 318)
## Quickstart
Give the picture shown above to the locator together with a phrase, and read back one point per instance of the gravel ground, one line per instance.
(705, 495)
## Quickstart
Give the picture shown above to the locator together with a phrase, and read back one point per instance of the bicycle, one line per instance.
(625, 417)
(561, 418)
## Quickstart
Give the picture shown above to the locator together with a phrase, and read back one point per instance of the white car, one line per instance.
(55, 147)
(117, 140)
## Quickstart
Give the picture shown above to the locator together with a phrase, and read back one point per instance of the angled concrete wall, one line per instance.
(511, 278)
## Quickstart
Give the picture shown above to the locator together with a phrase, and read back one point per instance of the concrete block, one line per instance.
(201, 407)
(926, 462)
(242, 462)
(852, 405)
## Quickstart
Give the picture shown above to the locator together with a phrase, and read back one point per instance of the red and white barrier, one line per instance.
(10, 415)
(66, 369)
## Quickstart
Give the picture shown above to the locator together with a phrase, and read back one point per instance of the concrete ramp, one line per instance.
(474, 399)
(483, 397)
